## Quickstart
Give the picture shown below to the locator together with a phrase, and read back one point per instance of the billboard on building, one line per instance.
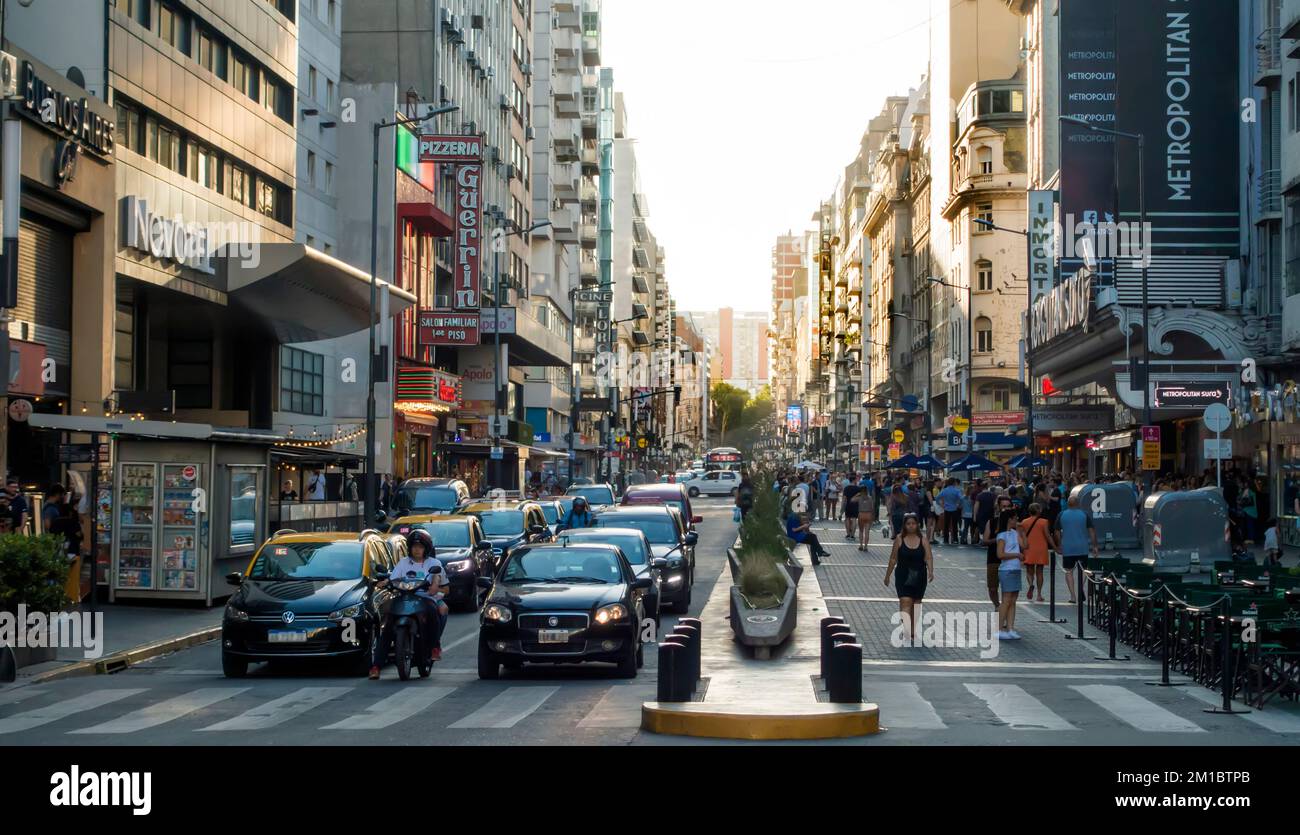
(1167, 71)
(794, 418)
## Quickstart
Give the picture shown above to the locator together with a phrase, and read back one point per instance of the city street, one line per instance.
(1042, 690)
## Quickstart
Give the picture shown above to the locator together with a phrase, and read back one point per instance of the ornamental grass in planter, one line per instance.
(763, 546)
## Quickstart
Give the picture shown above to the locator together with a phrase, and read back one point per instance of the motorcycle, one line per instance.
(407, 613)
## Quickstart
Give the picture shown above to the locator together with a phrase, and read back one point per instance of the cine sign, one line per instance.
(443, 149)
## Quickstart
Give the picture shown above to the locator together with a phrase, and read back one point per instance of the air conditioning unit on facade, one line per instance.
(529, 133)
(527, 70)
(505, 102)
(8, 76)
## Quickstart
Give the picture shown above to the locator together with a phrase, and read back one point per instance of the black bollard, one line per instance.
(1080, 597)
(692, 636)
(1165, 638)
(1051, 592)
(697, 649)
(1227, 672)
(826, 624)
(672, 671)
(1112, 595)
(845, 683)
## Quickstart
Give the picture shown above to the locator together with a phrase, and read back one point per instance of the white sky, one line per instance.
(745, 113)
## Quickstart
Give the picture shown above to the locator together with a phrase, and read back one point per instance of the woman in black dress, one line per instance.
(911, 554)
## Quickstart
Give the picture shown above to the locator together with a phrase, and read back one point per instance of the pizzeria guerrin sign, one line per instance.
(1066, 307)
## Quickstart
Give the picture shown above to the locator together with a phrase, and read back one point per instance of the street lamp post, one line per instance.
(377, 127)
(1142, 220)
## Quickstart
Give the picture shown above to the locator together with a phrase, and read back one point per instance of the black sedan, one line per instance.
(306, 596)
(563, 604)
(636, 548)
(669, 539)
(459, 543)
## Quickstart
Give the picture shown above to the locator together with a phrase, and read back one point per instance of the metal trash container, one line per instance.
(1185, 529)
(1114, 513)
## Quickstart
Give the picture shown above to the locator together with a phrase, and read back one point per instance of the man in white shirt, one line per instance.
(316, 486)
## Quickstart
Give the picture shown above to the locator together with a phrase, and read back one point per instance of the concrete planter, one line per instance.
(764, 629)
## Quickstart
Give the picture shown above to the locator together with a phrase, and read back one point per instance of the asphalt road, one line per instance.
(1040, 692)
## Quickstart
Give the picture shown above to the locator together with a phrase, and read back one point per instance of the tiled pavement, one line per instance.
(853, 584)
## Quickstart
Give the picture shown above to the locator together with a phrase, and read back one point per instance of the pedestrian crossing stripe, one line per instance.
(903, 704)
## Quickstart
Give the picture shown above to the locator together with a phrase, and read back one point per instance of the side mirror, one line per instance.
(483, 545)
(484, 582)
(538, 530)
(235, 578)
(659, 563)
(381, 575)
(692, 538)
(643, 583)
(695, 520)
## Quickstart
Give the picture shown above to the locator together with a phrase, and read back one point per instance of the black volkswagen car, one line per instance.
(563, 604)
(306, 595)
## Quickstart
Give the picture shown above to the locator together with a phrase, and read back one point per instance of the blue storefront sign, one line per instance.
(986, 441)
(542, 438)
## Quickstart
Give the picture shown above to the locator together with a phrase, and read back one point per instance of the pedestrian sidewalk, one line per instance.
(854, 588)
(129, 634)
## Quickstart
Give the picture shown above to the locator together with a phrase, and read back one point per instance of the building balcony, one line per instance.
(588, 269)
(639, 257)
(639, 284)
(590, 196)
(590, 51)
(1268, 54)
(585, 346)
(590, 161)
(995, 103)
(589, 234)
(565, 42)
(590, 126)
(1270, 194)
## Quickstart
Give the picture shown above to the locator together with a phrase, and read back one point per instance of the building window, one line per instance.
(1291, 103)
(329, 94)
(310, 89)
(138, 10)
(984, 214)
(983, 335)
(174, 28)
(302, 382)
(240, 188)
(1293, 245)
(331, 12)
(329, 177)
(241, 77)
(203, 165)
(984, 157)
(128, 126)
(995, 398)
(311, 168)
(165, 146)
(124, 348)
(983, 276)
(189, 373)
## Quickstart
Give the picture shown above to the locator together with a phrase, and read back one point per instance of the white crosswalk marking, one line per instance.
(1018, 709)
(1134, 710)
(9, 697)
(902, 706)
(396, 708)
(163, 712)
(1275, 718)
(507, 709)
(279, 710)
(620, 707)
(62, 710)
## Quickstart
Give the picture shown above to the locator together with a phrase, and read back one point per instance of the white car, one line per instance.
(715, 483)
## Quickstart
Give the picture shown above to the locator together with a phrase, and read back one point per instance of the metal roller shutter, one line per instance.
(45, 291)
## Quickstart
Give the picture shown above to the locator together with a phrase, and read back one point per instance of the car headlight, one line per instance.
(353, 611)
(675, 580)
(235, 613)
(611, 613)
(459, 565)
(497, 613)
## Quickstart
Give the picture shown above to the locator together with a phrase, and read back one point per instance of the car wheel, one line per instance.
(488, 666)
(684, 605)
(402, 649)
(233, 666)
(694, 492)
(627, 666)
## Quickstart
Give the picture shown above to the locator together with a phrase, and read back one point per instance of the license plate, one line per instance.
(279, 636)
(552, 636)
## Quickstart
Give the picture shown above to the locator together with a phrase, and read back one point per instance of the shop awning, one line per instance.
(301, 294)
(152, 429)
(303, 455)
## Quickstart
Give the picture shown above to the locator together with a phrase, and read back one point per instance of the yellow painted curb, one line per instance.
(755, 721)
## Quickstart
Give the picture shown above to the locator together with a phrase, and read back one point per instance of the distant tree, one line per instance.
(729, 407)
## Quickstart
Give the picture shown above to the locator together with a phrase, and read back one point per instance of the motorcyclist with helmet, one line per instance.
(579, 516)
(422, 560)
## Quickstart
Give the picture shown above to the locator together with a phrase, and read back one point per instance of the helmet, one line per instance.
(421, 536)
(580, 502)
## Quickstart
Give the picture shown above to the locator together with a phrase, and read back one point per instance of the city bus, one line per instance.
(724, 458)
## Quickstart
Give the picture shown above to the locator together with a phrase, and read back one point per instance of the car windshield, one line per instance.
(562, 565)
(448, 534)
(502, 522)
(551, 513)
(307, 561)
(594, 495)
(633, 546)
(425, 497)
(660, 530)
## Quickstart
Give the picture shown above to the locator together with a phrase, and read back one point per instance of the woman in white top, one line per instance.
(1011, 544)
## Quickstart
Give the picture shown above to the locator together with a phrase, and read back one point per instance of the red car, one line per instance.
(673, 495)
